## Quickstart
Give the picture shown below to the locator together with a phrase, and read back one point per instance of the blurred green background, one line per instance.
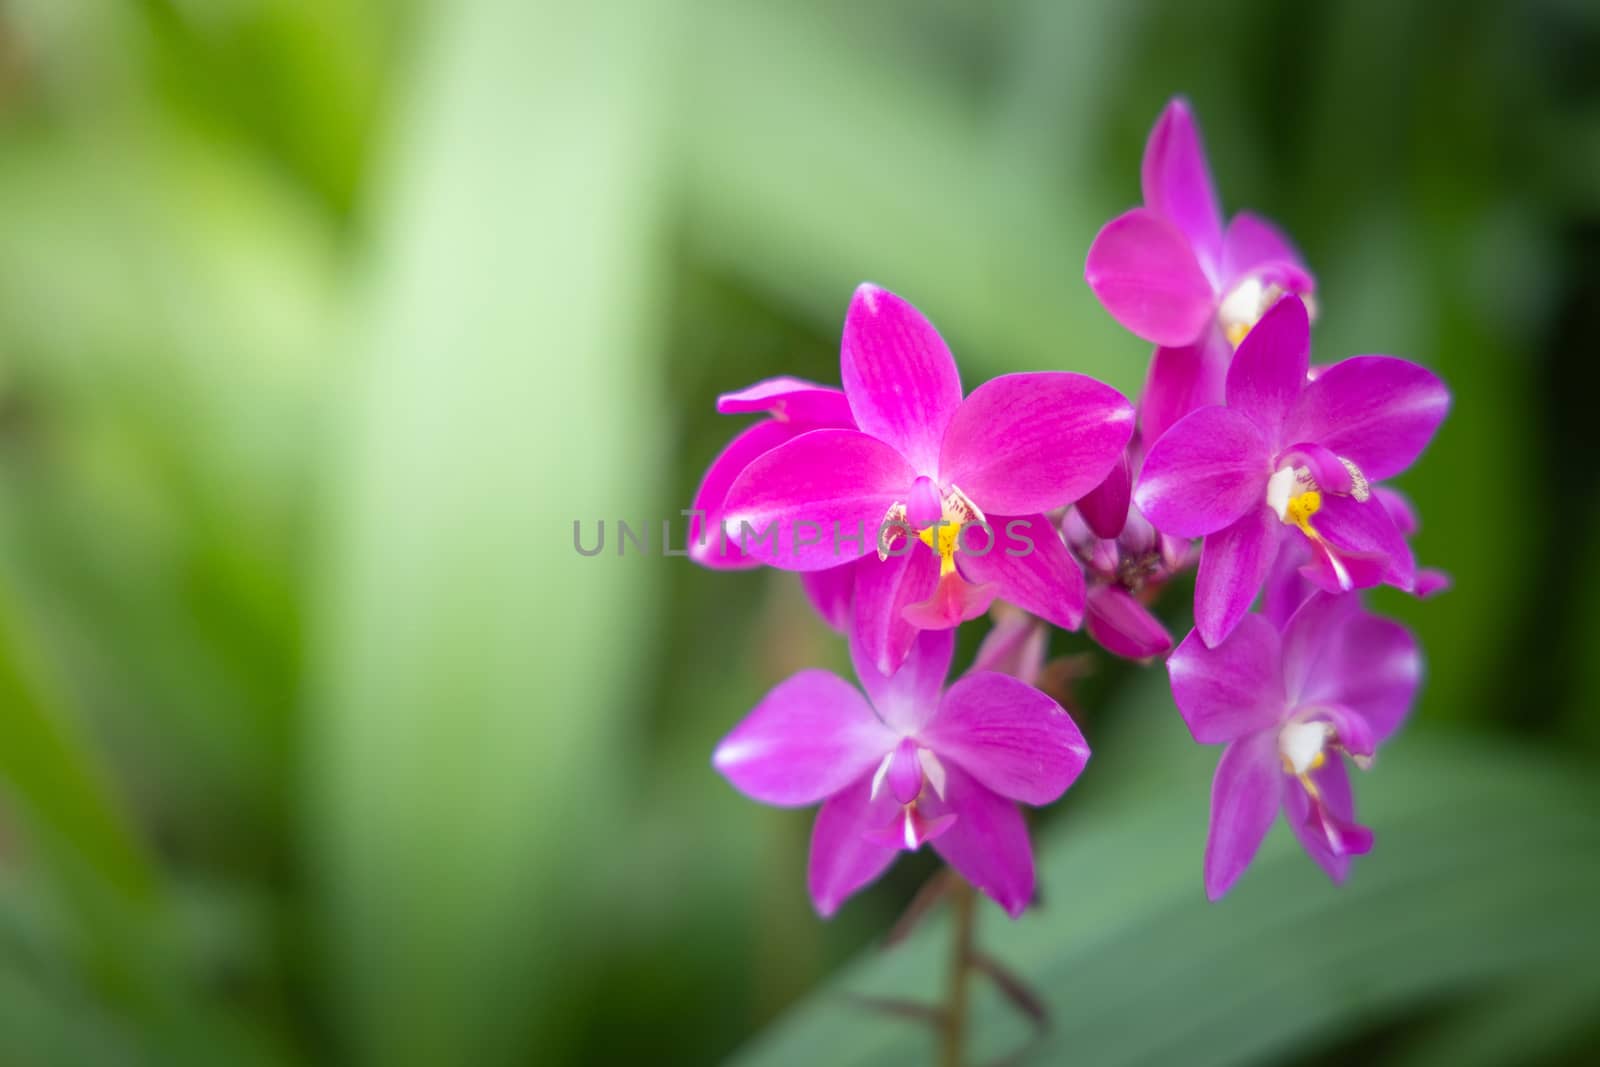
(321, 321)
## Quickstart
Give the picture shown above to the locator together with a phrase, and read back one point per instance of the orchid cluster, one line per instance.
(910, 507)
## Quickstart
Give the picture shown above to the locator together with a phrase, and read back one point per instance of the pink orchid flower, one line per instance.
(1288, 458)
(940, 497)
(1172, 274)
(1336, 681)
(909, 763)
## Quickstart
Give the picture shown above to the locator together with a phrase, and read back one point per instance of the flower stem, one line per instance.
(953, 1040)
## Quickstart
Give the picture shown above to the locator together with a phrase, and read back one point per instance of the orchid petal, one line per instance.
(844, 856)
(1336, 653)
(707, 543)
(1430, 583)
(1327, 470)
(1376, 411)
(1230, 690)
(1286, 588)
(1015, 645)
(884, 589)
(1245, 797)
(1144, 272)
(1364, 539)
(988, 842)
(1350, 728)
(1332, 780)
(833, 487)
(898, 373)
(908, 698)
(790, 400)
(1034, 442)
(1233, 567)
(1027, 564)
(1269, 369)
(809, 737)
(954, 600)
(1009, 736)
(1105, 507)
(1182, 380)
(1123, 626)
(1255, 248)
(1400, 509)
(1177, 183)
(1205, 473)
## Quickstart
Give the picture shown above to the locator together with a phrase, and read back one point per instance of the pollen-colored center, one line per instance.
(1301, 508)
(1294, 494)
(943, 538)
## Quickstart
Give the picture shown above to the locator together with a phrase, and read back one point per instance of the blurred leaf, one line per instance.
(1487, 867)
(46, 765)
(473, 670)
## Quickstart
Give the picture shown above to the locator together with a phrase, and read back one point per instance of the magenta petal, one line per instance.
(1027, 565)
(1105, 507)
(1376, 411)
(1015, 645)
(904, 772)
(883, 591)
(1234, 564)
(924, 508)
(1269, 369)
(791, 400)
(1245, 797)
(810, 737)
(830, 592)
(1350, 728)
(1335, 812)
(1313, 636)
(1286, 588)
(988, 842)
(1144, 271)
(1177, 183)
(1009, 736)
(1430, 582)
(844, 856)
(1336, 653)
(1255, 248)
(1232, 689)
(899, 375)
(1330, 474)
(1204, 474)
(707, 545)
(1356, 532)
(954, 600)
(1383, 672)
(908, 698)
(1182, 380)
(1400, 509)
(1034, 442)
(829, 487)
(1123, 626)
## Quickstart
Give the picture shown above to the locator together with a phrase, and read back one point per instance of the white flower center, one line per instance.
(1302, 745)
(1280, 487)
(1246, 302)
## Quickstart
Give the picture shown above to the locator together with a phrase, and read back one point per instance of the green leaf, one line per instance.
(1486, 869)
(472, 667)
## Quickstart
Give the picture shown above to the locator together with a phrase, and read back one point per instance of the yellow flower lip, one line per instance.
(948, 536)
(944, 536)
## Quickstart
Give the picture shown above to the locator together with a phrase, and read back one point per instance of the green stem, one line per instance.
(953, 1039)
